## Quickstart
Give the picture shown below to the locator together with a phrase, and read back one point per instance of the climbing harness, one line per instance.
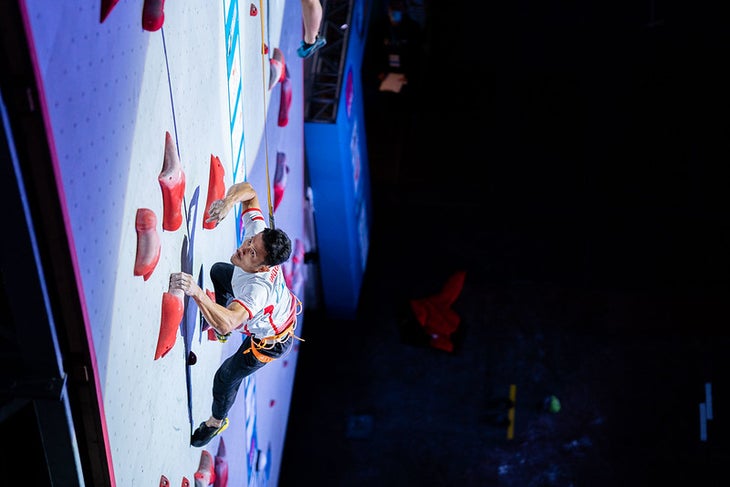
(267, 343)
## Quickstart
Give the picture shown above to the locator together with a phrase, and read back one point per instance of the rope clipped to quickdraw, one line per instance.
(266, 138)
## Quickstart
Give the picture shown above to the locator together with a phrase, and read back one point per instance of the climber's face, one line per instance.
(250, 255)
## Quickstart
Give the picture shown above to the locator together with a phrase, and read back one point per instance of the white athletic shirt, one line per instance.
(263, 294)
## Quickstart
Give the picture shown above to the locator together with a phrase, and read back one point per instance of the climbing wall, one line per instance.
(124, 105)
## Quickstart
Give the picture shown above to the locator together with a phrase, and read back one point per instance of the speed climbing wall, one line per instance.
(148, 121)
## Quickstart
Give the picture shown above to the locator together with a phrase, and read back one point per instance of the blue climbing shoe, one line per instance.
(306, 50)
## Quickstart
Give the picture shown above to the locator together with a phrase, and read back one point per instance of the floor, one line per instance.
(583, 202)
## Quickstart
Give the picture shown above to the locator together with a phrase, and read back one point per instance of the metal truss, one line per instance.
(323, 72)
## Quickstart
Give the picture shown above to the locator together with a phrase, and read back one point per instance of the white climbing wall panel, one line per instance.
(111, 92)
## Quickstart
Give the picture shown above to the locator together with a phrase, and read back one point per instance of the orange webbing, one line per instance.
(259, 356)
(269, 342)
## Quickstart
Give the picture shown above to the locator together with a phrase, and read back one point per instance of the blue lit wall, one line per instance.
(336, 155)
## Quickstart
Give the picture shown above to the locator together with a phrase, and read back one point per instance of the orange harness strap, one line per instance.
(267, 343)
(259, 356)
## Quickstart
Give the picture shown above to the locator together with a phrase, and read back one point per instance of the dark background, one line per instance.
(570, 158)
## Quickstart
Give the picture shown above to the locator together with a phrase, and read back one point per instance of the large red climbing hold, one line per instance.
(148, 243)
(280, 178)
(172, 183)
(206, 470)
(173, 309)
(153, 15)
(216, 189)
(221, 466)
(285, 99)
(277, 68)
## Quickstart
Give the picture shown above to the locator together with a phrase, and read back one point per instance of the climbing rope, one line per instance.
(264, 52)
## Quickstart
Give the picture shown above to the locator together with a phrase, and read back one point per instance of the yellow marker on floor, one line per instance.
(511, 412)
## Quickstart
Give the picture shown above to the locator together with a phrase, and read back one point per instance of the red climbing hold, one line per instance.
(172, 183)
(173, 309)
(216, 189)
(148, 243)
